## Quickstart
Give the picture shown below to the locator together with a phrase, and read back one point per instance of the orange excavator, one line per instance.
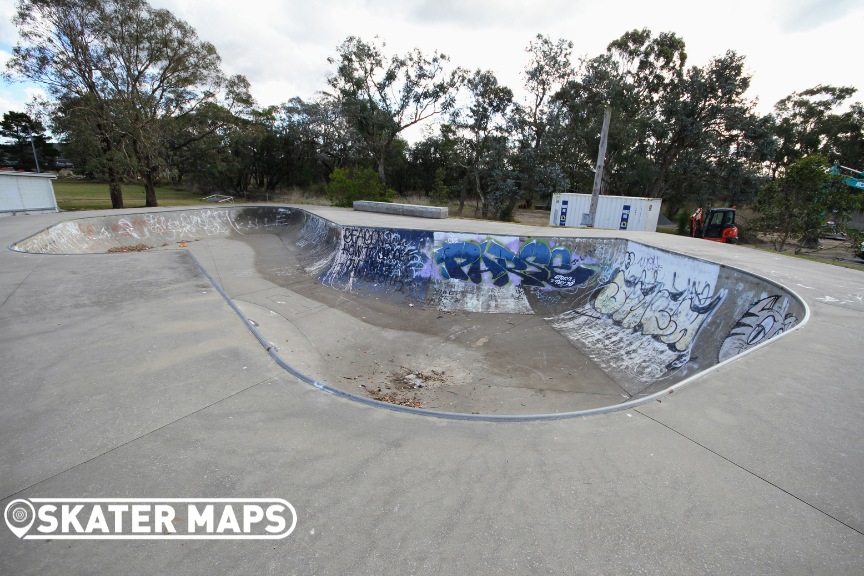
(715, 224)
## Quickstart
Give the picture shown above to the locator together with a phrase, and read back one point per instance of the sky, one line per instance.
(282, 46)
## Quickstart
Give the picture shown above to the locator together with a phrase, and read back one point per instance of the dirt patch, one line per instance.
(531, 217)
(135, 248)
(829, 250)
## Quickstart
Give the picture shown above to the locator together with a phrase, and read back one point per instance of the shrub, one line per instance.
(683, 220)
(348, 185)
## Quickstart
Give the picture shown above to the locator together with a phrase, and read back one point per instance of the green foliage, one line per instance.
(479, 138)
(804, 123)
(123, 72)
(679, 134)
(348, 185)
(796, 205)
(683, 221)
(381, 96)
(440, 194)
(855, 239)
(19, 129)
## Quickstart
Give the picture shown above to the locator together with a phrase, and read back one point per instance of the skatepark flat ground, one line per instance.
(128, 376)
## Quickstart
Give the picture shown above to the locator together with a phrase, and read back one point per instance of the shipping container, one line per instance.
(613, 212)
(26, 192)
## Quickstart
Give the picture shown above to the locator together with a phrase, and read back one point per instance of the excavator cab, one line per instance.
(717, 225)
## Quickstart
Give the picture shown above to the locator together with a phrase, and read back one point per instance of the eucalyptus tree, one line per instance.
(479, 128)
(125, 68)
(706, 110)
(809, 122)
(59, 48)
(583, 102)
(538, 156)
(383, 95)
(676, 132)
(321, 124)
(796, 204)
(159, 69)
(845, 144)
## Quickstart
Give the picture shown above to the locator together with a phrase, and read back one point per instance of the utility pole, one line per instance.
(33, 146)
(601, 161)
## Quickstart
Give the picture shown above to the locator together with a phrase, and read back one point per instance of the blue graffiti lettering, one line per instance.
(536, 264)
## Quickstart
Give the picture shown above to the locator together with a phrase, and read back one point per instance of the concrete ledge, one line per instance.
(401, 209)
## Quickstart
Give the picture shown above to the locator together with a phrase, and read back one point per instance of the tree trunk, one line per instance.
(116, 194)
(115, 189)
(149, 189)
(381, 174)
(480, 194)
(509, 212)
(669, 156)
(672, 207)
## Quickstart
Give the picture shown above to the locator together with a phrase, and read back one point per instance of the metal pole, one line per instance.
(601, 161)
(33, 146)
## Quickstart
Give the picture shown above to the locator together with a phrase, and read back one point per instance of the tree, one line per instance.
(676, 133)
(845, 141)
(82, 125)
(58, 48)
(381, 96)
(548, 69)
(705, 111)
(21, 130)
(796, 205)
(323, 122)
(479, 128)
(633, 76)
(159, 69)
(802, 124)
(123, 70)
(646, 72)
(537, 154)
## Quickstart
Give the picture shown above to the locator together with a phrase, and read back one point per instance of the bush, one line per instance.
(796, 205)
(348, 185)
(855, 239)
(683, 220)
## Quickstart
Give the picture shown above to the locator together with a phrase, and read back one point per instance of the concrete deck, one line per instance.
(126, 375)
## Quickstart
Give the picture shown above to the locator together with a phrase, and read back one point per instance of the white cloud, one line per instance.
(8, 34)
(803, 15)
(506, 14)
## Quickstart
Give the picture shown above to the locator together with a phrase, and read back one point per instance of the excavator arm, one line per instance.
(856, 181)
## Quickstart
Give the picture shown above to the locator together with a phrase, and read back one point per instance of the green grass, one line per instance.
(88, 195)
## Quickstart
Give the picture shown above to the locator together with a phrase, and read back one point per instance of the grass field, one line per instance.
(84, 195)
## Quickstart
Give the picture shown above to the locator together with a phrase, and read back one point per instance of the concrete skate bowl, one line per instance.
(471, 326)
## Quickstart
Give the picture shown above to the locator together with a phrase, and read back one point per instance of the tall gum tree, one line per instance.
(706, 105)
(538, 156)
(59, 48)
(383, 95)
(479, 126)
(132, 65)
